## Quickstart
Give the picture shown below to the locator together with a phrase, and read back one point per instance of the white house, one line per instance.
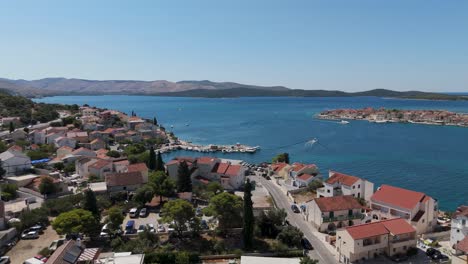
(64, 141)
(459, 225)
(341, 184)
(14, 162)
(330, 213)
(418, 209)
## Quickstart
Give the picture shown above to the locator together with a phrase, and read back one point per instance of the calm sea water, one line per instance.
(430, 159)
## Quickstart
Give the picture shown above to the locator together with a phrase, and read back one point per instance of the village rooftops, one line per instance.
(305, 176)
(399, 197)
(461, 211)
(137, 167)
(206, 160)
(226, 168)
(342, 178)
(100, 164)
(124, 179)
(77, 134)
(337, 203)
(279, 166)
(462, 245)
(299, 166)
(396, 226)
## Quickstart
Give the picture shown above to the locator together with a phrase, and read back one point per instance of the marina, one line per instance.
(189, 146)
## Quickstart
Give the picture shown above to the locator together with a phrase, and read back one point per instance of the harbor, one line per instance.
(189, 146)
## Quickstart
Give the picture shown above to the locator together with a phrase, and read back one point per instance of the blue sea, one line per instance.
(430, 159)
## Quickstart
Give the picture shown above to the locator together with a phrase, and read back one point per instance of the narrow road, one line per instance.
(320, 252)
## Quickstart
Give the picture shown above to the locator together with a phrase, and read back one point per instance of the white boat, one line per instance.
(381, 121)
(344, 122)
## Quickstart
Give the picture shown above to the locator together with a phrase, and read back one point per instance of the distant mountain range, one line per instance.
(63, 86)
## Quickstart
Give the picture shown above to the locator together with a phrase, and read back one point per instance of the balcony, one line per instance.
(343, 218)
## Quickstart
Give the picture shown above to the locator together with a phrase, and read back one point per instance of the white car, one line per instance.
(133, 213)
(151, 228)
(4, 260)
(141, 228)
(161, 228)
(104, 231)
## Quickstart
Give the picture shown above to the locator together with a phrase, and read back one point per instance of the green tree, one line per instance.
(314, 185)
(113, 154)
(227, 209)
(271, 222)
(59, 166)
(3, 146)
(184, 182)
(114, 219)
(283, 157)
(2, 170)
(248, 216)
(47, 186)
(179, 212)
(143, 195)
(291, 236)
(162, 185)
(76, 221)
(214, 188)
(159, 162)
(12, 127)
(90, 203)
(308, 260)
(182, 258)
(152, 159)
(155, 121)
(8, 191)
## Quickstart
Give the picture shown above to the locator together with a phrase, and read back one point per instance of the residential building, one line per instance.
(120, 258)
(141, 168)
(304, 179)
(84, 152)
(418, 209)
(280, 169)
(368, 241)
(330, 213)
(80, 136)
(73, 252)
(459, 226)
(97, 144)
(125, 181)
(231, 176)
(64, 141)
(99, 168)
(341, 184)
(64, 151)
(268, 260)
(14, 162)
(461, 252)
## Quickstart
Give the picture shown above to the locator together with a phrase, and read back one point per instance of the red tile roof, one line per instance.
(124, 179)
(141, 167)
(337, 203)
(297, 166)
(16, 148)
(205, 160)
(396, 226)
(81, 149)
(233, 170)
(66, 148)
(344, 179)
(398, 197)
(100, 164)
(305, 176)
(461, 211)
(463, 245)
(279, 166)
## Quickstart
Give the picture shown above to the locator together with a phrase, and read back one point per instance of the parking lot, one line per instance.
(26, 249)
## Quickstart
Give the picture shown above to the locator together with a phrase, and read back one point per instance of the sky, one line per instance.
(301, 44)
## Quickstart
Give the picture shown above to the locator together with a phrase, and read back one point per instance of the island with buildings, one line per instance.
(383, 115)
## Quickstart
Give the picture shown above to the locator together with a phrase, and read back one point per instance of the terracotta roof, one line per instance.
(16, 148)
(233, 170)
(398, 197)
(135, 118)
(298, 166)
(108, 131)
(337, 203)
(124, 179)
(220, 168)
(122, 162)
(137, 167)
(396, 226)
(101, 151)
(100, 164)
(278, 166)
(461, 211)
(97, 140)
(77, 134)
(205, 160)
(188, 160)
(305, 176)
(463, 245)
(82, 149)
(65, 148)
(344, 179)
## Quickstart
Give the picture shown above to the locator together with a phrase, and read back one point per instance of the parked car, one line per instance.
(55, 244)
(133, 213)
(306, 244)
(104, 231)
(143, 212)
(399, 257)
(204, 224)
(295, 209)
(4, 260)
(431, 251)
(198, 212)
(439, 256)
(141, 228)
(37, 227)
(161, 228)
(30, 234)
(151, 228)
(130, 227)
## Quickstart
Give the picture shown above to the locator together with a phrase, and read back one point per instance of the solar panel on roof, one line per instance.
(71, 256)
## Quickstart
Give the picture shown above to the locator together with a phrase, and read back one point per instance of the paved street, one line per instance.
(320, 252)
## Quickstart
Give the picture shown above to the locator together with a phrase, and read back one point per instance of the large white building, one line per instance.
(341, 184)
(14, 162)
(459, 225)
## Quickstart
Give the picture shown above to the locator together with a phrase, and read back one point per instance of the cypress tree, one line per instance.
(12, 127)
(184, 182)
(248, 216)
(159, 162)
(152, 159)
(155, 121)
(90, 203)
(2, 171)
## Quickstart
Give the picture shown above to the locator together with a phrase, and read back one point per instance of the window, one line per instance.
(463, 222)
(359, 186)
(394, 250)
(404, 247)
(354, 187)
(328, 191)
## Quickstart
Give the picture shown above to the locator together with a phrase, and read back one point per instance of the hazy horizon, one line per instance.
(340, 45)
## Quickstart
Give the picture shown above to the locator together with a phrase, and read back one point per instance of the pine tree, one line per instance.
(2, 171)
(155, 121)
(90, 203)
(248, 216)
(184, 182)
(159, 162)
(152, 159)
(12, 127)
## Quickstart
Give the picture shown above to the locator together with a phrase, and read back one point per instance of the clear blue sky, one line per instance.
(306, 44)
